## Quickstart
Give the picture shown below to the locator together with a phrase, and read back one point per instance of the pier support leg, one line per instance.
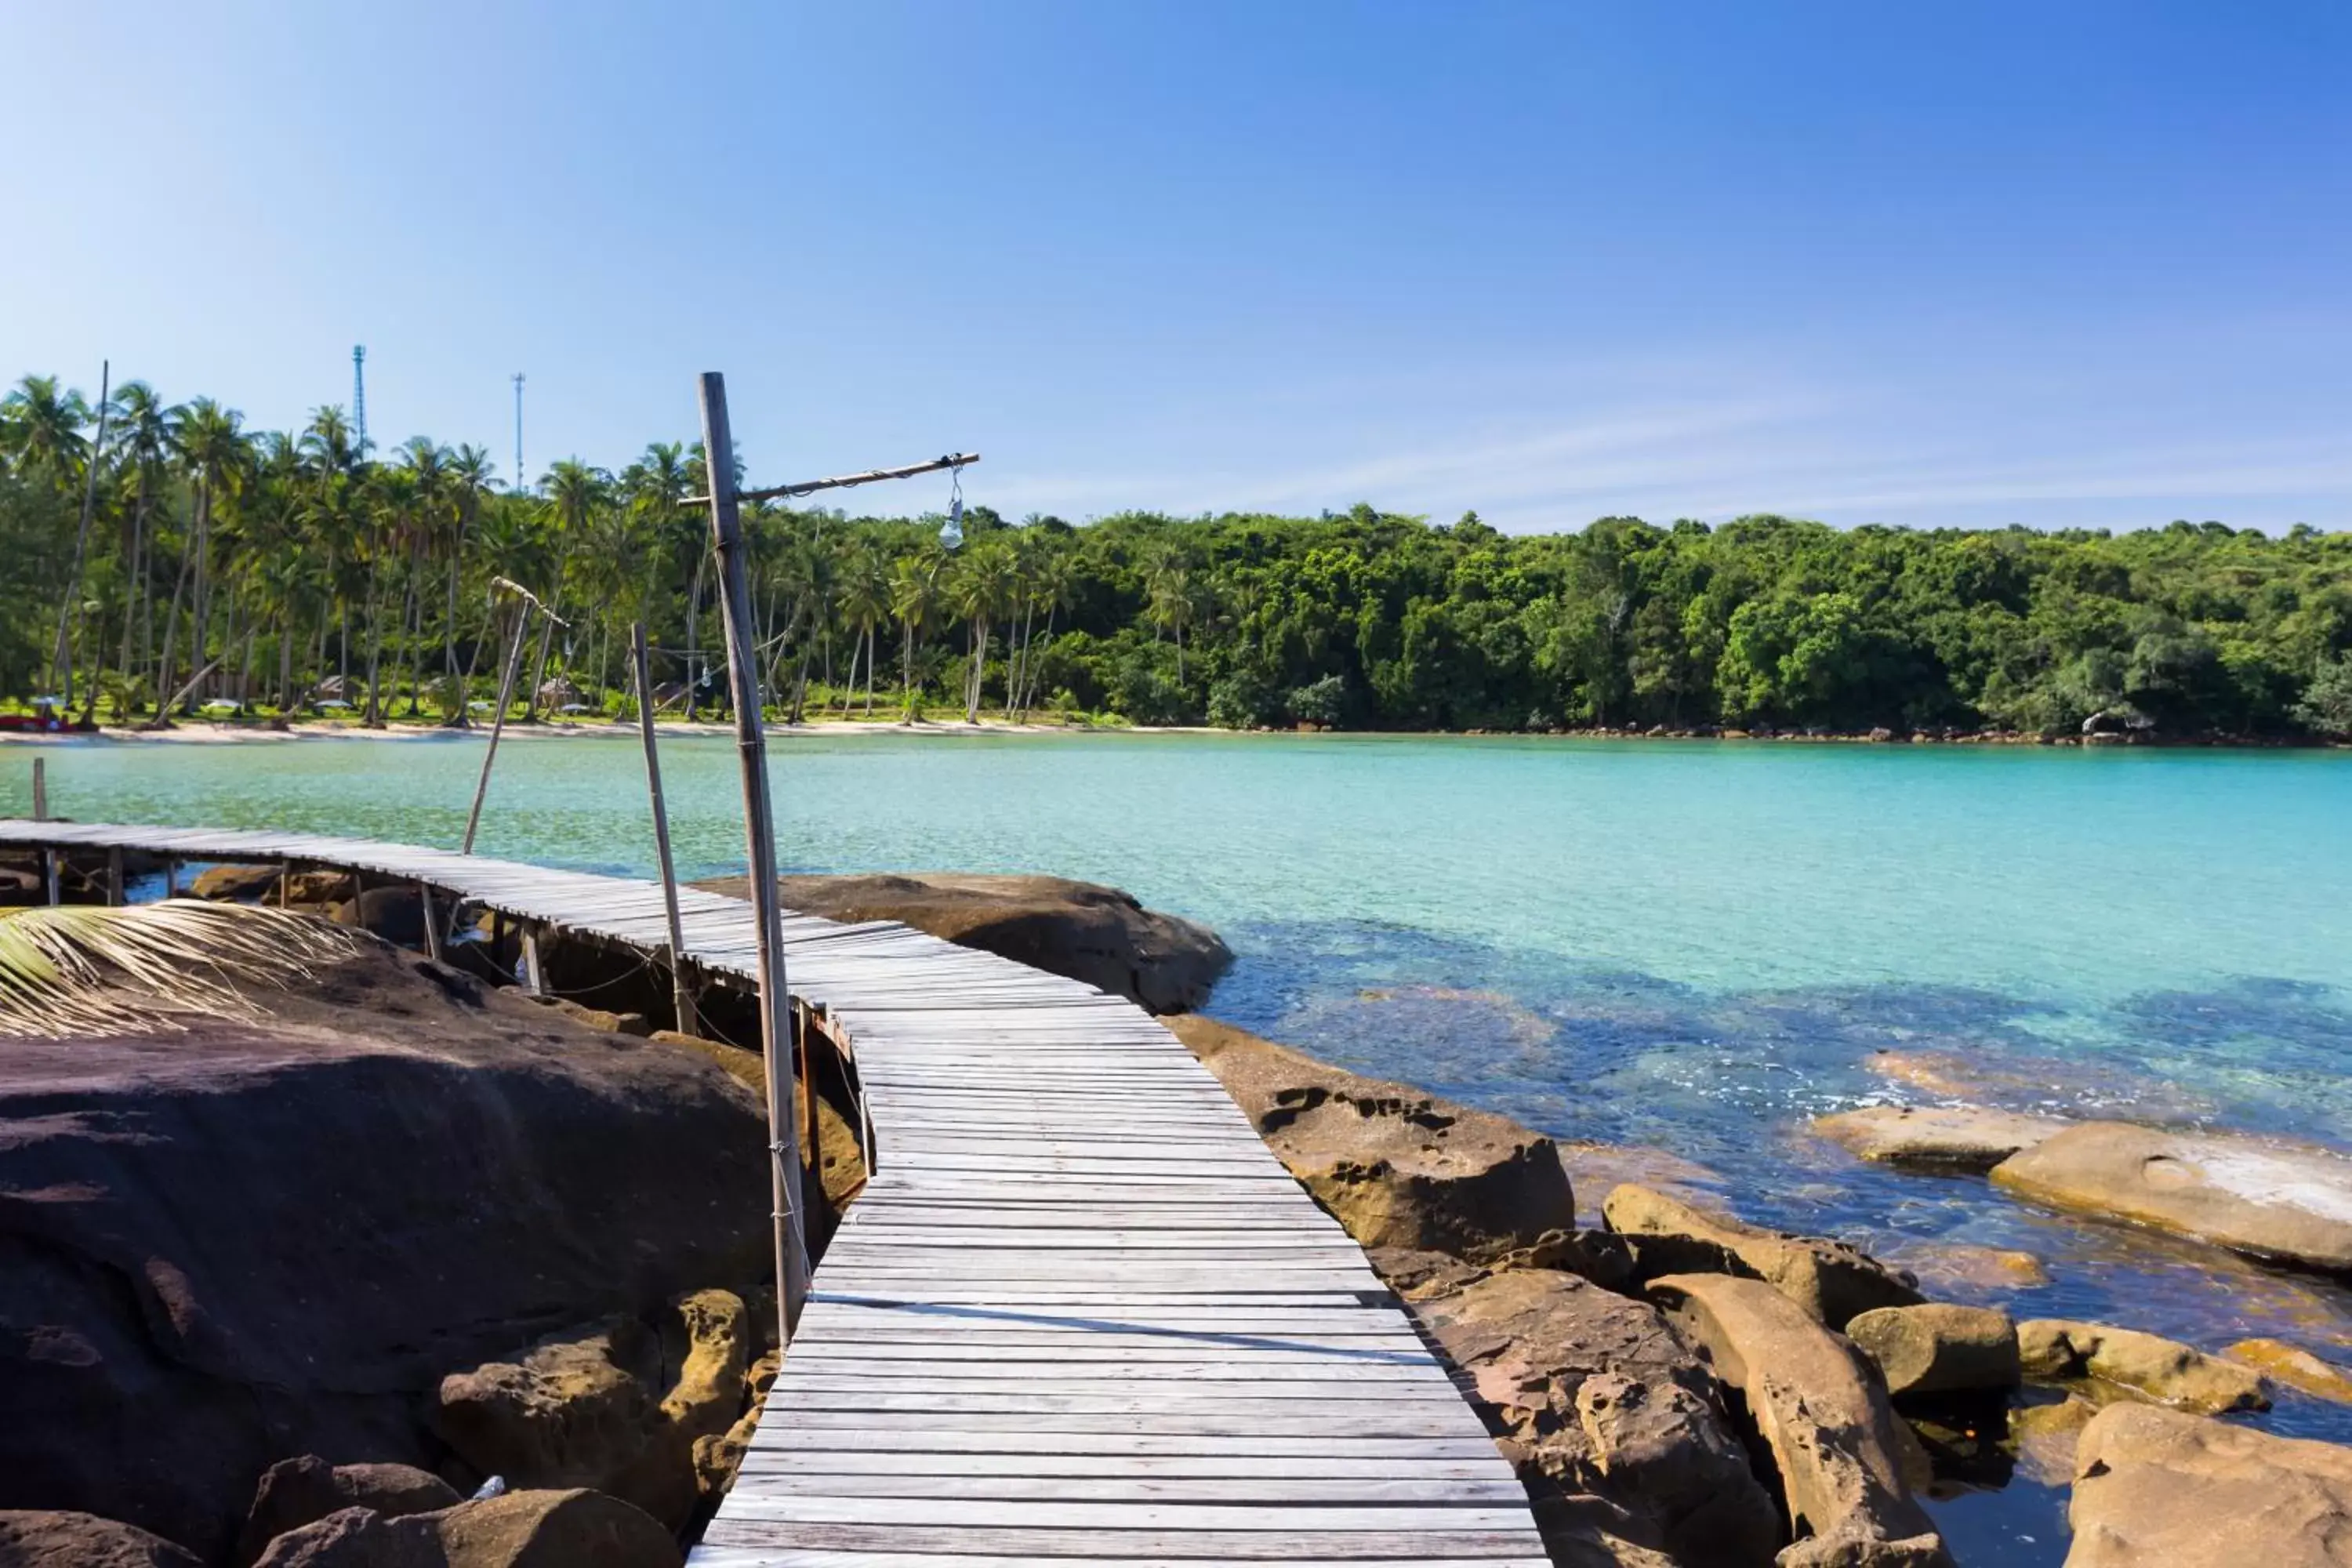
(533, 980)
(114, 877)
(432, 924)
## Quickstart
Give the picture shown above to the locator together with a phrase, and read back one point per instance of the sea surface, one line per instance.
(1690, 946)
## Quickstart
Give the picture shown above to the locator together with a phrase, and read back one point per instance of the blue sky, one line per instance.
(2054, 264)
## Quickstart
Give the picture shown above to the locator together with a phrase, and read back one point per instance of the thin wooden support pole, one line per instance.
(40, 789)
(170, 876)
(681, 995)
(498, 723)
(534, 979)
(114, 877)
(759, 833)
(284, 883)
(432, 924)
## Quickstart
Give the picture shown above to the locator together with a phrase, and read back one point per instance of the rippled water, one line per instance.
(1692, 945)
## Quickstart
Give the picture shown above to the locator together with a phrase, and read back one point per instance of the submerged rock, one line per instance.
(2057, 1350)
(2295, 1367)
(1938, 1348)
(1595, 1397)
(1100, 935)
(2273, 1201)
(41, 1537)
(1948, 1138)
(221, 1247)
(1397, 1167)
(1836, 1442)
(1831, 1280)
(2157, 1487)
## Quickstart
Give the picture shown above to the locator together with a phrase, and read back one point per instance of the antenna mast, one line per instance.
(520, 483)
(359, 399)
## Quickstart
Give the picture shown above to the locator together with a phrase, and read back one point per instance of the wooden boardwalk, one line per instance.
(1080, 1315)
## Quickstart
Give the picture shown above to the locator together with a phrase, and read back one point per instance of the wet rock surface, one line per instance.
(2056, 1350)
(2294, 1367)
(1836, 1443)
(2157, 1487)
(399, 1175)
(1397, 1167)
(1085, 932)
(2275, 1201)
(1830, 1280)
(1945, 1138)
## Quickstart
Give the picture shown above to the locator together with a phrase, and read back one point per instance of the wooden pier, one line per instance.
(1079, 1316)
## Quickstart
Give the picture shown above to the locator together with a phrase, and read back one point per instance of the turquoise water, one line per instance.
(1697, 946)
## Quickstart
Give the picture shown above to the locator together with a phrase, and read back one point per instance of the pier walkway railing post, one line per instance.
(681, 994)
(759, 831)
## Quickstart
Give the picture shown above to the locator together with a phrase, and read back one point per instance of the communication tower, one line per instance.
(359, 399)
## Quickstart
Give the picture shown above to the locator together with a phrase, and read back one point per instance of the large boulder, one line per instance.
(2286, 1203)
(2158, 1487)
(44, 1538)
(569, 1528)
(1396, 1166)
(1836, 1442)
(247, 1240)
(1831, 1281)
(1081, 929)
(2059, 1350)
(1938, 1348)
(1937, 1136)
(298, 1491)
(1595, 1398)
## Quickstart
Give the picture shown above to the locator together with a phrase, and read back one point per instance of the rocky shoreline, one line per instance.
(294, 1293)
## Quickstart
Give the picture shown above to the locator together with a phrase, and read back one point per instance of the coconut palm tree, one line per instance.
(914, 597)
(470, 477)
(149, 432)
(40, 430)
(574, 492)
(864, 605)
(981, 587)
(215, 454)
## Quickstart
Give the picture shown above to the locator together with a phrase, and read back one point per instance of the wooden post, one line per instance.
(170, 876)
(534, 979)
(284, 883)
(759, 833)
(432, 924)
(681, 995)
(41, 814)
(114, 877)
(498, 724)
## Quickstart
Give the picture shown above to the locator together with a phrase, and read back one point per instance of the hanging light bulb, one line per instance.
(951, 532)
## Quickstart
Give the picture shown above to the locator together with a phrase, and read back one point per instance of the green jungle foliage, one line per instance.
(295, 574)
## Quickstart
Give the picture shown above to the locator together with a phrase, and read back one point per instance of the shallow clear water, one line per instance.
(1691, 945)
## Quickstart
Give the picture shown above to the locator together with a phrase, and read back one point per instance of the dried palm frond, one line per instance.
(81, 969)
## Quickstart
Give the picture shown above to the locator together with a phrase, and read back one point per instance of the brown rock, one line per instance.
(576, 1410)
(716, 1459)
(2156, 1486)
(2058, 1350)
(1947, 1138)
(294, 1492)
(1085, 932)
(521, 1530)
(1835, 1440)
(44, 1538)
(2044, 1437)
(2295, 1367)
(1397, 1167)
(840, 1160)
(398, 1172)
(2274, 1201)
(1831, 1280)
(597, 1018)
(1938, 1348)
(1596, 1398)
(233, 883)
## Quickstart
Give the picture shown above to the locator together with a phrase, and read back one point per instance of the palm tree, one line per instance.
(657, 486)
(864, 605)
(327, 442)
(470, 472)
(574, 492)
(914, 595)
(213, 454)
(88, 970)
(981, 590)
(1168, 587)
(40, 429)
(428, 465)
(150, 431)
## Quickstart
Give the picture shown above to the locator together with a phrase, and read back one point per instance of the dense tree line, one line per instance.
(286, 572)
